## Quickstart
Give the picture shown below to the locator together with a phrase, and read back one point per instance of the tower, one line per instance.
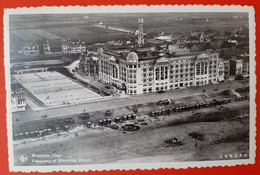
(141, 31)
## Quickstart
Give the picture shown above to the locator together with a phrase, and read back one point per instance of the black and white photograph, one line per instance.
(127, 87)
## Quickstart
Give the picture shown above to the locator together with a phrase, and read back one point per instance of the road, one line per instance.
(125, 101)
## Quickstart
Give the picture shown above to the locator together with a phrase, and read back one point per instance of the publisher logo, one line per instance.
(23, 158)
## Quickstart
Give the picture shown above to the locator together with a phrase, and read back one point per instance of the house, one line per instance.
(70, 46)
(30, 49)
(18, 97)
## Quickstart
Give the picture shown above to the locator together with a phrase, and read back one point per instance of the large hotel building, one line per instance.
(145, 73)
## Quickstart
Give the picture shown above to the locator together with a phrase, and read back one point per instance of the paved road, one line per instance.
(126, 101)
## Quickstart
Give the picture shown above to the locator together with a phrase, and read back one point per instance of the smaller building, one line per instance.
(226, 68)
(192, 39)
(18, 97)
(196, 37)
(175, 50)
(245, 69)
(236, 67)
(52, 46)
(69, 46)
(30, 49)
(223, 69)
(239, 66)
(91, 65)
(167, 38)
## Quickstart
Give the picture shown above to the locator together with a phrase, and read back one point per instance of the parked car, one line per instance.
(108, 113)
(117, 120)
(135, 109)
(166, 102)
(66, 128)
(133, 116)
(163, 112)
(109, 121)
(85, 116)
(105, 122)
(160, 102)
(129, 117)
(100, 122)
(124, 117)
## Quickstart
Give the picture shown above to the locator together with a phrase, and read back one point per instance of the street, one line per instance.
(29, 115)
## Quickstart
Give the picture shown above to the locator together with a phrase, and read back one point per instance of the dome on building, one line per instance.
(132, 57)
(112, 58)
(100, 51)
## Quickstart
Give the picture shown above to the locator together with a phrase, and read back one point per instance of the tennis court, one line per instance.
(53, 88)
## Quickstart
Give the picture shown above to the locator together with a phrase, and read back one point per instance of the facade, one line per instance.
(193, 40)
(140, 75)
(245, 69)
(91, 66)
(226, 68)
(236, 67)
(47, 48)
(31, 49)
(69, 46)
(17, 98)
(52, 46)
(196, 37)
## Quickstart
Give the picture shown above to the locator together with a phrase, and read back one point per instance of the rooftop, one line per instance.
(15, 86)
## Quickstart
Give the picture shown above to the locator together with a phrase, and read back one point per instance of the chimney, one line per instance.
(141, 31)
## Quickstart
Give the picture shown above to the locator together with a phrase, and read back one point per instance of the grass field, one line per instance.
(77, 27)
